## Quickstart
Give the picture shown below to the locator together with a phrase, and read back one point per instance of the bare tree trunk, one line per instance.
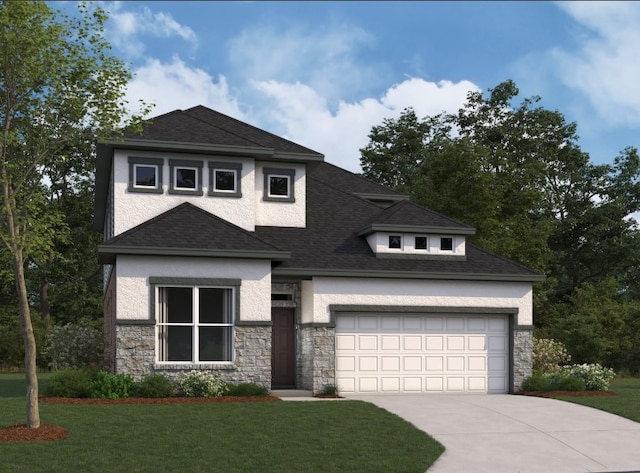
(33, 411)
(45, 308)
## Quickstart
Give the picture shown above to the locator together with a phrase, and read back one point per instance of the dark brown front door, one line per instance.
(283, 359)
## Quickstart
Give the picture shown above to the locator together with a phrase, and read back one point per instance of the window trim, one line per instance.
(426, 243)
(140, 161)
(174, 165)
(400, 247)
(279, 172)
(236, 168)
(156, 283)
(452, 249)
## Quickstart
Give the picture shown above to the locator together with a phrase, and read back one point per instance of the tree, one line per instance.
(59, 89)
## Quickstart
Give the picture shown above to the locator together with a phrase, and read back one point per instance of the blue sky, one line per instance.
(323, 73)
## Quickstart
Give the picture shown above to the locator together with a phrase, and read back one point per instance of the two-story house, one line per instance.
(229, 248)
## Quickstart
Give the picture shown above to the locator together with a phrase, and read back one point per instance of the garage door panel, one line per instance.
(421, 353)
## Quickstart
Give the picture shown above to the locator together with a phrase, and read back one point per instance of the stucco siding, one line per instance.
(281, 214)
(134, 272)
(343, 291)
(133, 208)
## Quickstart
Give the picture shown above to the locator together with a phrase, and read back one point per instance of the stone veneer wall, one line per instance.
(135, 354)
(522, 356)
(110, 323)
(317, 357)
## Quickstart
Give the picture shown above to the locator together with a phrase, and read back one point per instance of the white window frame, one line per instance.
(415, 245)
(174, 166)
(393, 235)
(136, 162)
(289, 175)
(453, 244)
(234, 168)
(135, 176)
(230, 299)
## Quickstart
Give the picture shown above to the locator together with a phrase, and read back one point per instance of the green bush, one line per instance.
(155, 385)
(112, 386)
(76, 345)
(329, 390)
(246, 389)
(201, 384)
(549, 355)
(558, 381)
(70, 383)
(594, 376)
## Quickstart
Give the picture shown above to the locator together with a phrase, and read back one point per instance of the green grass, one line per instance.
(625, 403)
(309, 437)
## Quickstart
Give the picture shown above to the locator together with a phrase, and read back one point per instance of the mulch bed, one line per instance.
(568, 393)
(22, 433)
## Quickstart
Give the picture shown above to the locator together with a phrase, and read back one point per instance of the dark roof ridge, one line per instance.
(244, 124)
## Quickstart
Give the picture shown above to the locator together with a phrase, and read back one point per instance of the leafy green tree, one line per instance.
(59, 89)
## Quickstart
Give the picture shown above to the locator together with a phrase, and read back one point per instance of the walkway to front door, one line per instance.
(283, 358)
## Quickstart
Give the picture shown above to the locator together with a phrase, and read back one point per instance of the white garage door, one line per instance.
(422, 353)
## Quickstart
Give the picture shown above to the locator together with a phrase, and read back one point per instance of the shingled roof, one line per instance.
(203, 125)
(187, 230)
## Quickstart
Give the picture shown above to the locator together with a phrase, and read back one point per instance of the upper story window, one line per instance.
(278, 185)
(145, 175)
(186, 177)
(395, 241)
(446, 244)
(224, 179)
(421, 243)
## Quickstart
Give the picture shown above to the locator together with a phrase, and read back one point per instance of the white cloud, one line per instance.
(175, 85)
(126, 27)
(325, 57)
(305, 118)
(606, 68)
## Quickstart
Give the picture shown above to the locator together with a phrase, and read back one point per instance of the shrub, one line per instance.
(70, 383)
(548, 355)
(155, 385)
(557, 381)
(76, 346)
(246, 389)
(112, 386)
(594, 376)
(329, 390)
(201, 384)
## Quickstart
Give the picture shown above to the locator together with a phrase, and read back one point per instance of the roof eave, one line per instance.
(108, 253)
(380, 227)
(348, 273)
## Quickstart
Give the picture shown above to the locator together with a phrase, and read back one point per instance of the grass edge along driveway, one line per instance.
(324, 437)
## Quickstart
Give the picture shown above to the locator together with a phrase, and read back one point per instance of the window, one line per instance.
(446, 244)
(278, 184)
(145, 175)
(421, 243)
(195, 324)
(395, 241)
(186, 177)
(224, 179)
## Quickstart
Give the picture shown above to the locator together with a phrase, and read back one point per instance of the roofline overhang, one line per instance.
(308, 273)
(382, 227)
(107, 253)
(382, 197)
(207, 148)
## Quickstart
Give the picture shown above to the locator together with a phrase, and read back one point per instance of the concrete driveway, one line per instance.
(510, 434)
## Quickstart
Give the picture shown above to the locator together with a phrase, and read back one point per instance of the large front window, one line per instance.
(195, 324)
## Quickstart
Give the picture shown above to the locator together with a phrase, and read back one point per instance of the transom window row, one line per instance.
(421, 243)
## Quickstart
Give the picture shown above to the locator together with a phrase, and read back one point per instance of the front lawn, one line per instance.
(625, 403)
(329, 436)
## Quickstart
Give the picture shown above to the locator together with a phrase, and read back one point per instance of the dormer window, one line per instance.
(421, 243)
(278, 185)
(145, 175)
(446, 244)
(186, 177)
(395, 241)
(224, 179)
